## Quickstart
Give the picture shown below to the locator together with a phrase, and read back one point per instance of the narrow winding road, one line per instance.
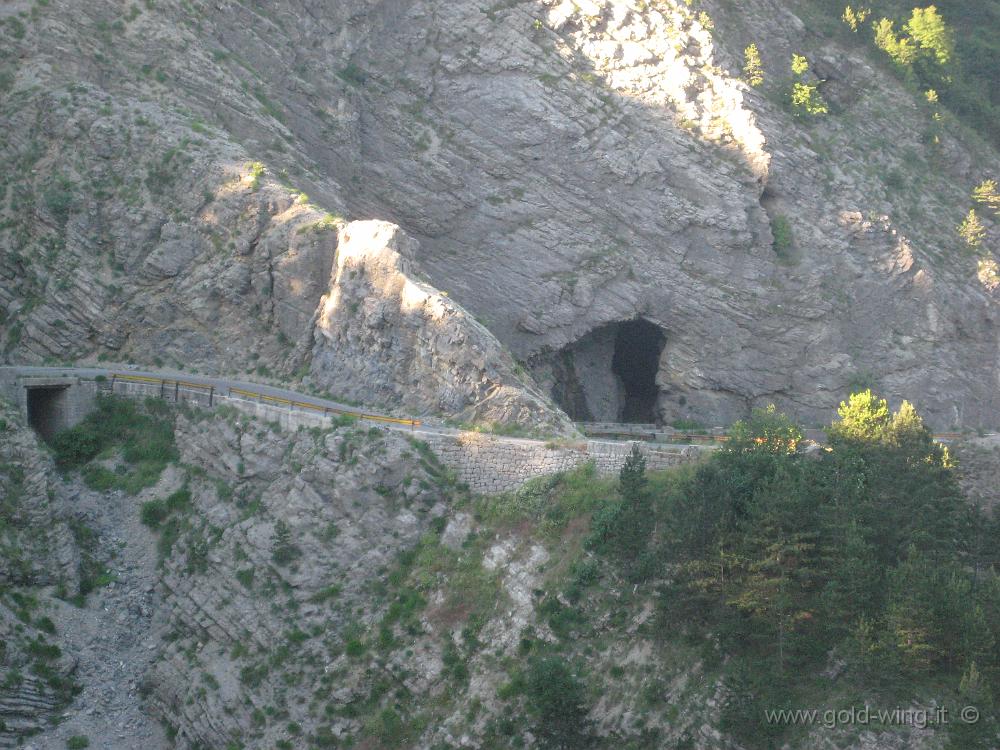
(225, 386)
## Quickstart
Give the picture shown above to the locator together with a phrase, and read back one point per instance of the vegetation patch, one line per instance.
(142, 436)
(949, 48)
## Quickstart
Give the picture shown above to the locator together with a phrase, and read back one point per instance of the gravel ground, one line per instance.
(115, 635)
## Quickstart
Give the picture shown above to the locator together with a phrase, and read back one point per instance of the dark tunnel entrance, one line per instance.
(46, 410)
(636, 360)
(608, 374)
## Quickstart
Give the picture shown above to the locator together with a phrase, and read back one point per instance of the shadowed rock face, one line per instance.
(563, 166)
(383, 335)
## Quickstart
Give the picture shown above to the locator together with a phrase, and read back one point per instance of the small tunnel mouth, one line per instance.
(636, 360)
(46, 407)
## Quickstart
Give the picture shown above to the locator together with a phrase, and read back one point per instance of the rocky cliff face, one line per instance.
(384, 336)
(37, 551)
(279, 564)
(566, 167)
(335, 588)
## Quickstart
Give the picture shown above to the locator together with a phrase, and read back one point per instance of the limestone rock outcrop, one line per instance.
(263, 616)
(383, 334)
(37, 550)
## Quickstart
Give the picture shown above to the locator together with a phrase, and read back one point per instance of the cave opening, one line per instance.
(636, 360)
(609, 374)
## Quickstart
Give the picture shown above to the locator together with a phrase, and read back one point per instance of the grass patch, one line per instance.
(144, 436)
(548, 502)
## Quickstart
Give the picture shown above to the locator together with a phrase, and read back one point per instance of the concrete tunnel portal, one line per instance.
(47, 407)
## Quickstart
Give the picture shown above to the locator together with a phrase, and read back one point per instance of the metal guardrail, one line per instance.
(648, 432)
(165, 383)
(326, 409)
(619, 426)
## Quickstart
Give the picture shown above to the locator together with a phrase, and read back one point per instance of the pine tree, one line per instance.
(558, 701)
(981, 734)
(805, 96)
(971, 229)
(753, 69)
(855, 18)
(930, 33)
(901, 50)
(632, 476)
(283, 550)
(853, 590)
(863, 418)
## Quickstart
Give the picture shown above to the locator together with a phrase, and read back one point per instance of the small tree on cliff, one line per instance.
(283, 549)
(987, 193)
(753, 69)
(971, 230)
(632, 477)
(623, 528)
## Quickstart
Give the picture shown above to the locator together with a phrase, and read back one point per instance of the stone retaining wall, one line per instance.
(490, 464)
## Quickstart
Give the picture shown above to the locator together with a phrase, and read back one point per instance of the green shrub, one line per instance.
(153, 513)
(99, 478)
(76, 446)
(245, 577)
(781, 231)
(59, 199)
(354, 648)
(17, 27)
(146, 441)
(77, 742)
(257, 170)
(45, 624)
(169, 534)
(283, 550)
(562, 619)
(352, 74)
(179, 500)
(325, 594)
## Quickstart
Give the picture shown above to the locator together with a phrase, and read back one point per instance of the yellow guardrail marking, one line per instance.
(159, 381)
(326, 409)
(138, 378)
(272, 399)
